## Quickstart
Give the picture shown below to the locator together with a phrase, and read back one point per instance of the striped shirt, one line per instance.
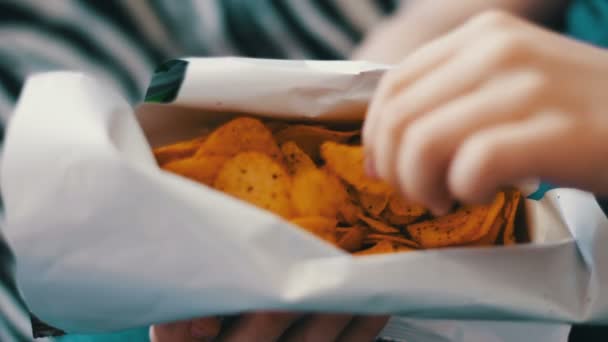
(121, 42)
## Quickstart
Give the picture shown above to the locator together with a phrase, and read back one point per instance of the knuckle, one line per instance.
(493, 18)
(535, 83)
(504, 46)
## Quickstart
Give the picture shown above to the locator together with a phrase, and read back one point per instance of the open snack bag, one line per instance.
(239, 186)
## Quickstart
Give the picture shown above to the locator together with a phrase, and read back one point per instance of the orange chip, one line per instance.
(490, 238)
(464, 226)
(347, 162)
(509, 232)
(317, 193)
(256, 178)
(397, 220)
(349, 213)
(309, 137)
(392, 238)
(439, 228)
(295, 159)
(180, 150)
(378, 225)
(240, 135)
(203, 170)
(323, 227)
(383, 247)
(493, 211)
(275, 126)
(373, 204)
(400, 207)
(352, 239)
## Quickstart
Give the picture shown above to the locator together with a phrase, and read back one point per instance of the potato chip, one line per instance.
(347, 162)
(464, 226)
(436, 232)
(316, 175)
(397, 220)
(378, 225)
(352, 239)
(295, 159)
(490, 238)
(381, 247)
(256, 178)
(180, 150)
(349, 213)
(309, 138)
(493, 211)
(401, 207)
(317, 193)
(323, 227)
(392, 238)
(203, 170)
(509, 231)
(240, 135)
(384, 247)
(373, 204)
(275, 126)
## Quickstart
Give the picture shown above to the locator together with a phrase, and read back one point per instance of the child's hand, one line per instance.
(495, 102)
(288, 327)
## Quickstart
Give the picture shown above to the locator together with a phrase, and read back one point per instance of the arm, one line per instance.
(419, 21)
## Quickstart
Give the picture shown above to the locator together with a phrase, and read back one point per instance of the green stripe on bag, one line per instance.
(166, 81)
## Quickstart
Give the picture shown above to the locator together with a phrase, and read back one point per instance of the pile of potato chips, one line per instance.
(314, 177)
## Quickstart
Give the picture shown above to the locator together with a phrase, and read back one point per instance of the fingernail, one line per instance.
(199, 334)
(370, 168)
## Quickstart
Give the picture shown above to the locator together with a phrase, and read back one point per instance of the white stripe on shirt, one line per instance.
(211, 28)
(102, 34)
(26, 43)
(315, 23)
(151, 26)
(278, 32)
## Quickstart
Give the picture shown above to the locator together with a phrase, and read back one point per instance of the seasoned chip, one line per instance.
(180, 150)
(240, 135)
(275, 126)
(490, 238)
(383, 247)
(509, 231)
(203, 170)
(378, 225)
(397, 220)
(347, 162)
(493, 211)
(295, 159)
(352, 239)
(349, 213)
(256, 178)
(436, 232)
(373, 204)
(401, 207)
(317, 176)
(317, 193)
(323, 227)
(464, 226)
(309, 137)
(392, 238)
